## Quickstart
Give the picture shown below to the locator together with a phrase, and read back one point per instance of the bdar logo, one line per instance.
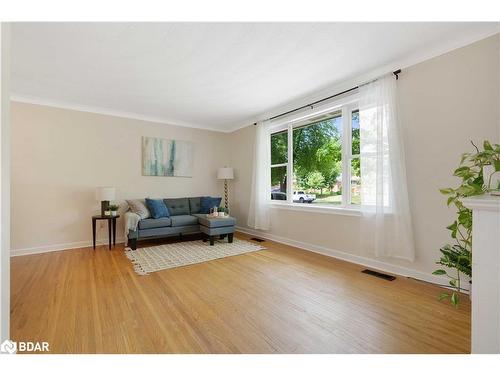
(12, 347)
(8, 347)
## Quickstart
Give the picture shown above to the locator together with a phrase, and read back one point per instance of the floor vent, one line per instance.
(257, 239)
(380, 275)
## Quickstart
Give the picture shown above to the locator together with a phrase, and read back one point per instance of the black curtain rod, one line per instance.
(396, 74)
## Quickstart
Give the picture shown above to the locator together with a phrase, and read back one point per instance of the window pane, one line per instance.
(278, 183)
(355, 133)
(317, 162)
(355, 181)
(279, 148)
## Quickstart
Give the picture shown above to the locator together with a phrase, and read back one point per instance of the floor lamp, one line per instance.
(225, 174)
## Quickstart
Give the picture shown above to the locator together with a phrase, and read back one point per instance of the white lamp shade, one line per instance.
(225, 173)
(105, 193)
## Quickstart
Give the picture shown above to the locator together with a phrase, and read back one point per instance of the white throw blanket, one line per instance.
(131, 222)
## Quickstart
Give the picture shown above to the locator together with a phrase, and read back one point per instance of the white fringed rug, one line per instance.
(162, 257)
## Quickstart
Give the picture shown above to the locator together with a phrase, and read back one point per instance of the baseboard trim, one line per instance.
(357, 259)
(60, 247)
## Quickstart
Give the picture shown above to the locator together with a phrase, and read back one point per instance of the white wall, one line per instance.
(60, 156)
(5, 181)
(445, 102)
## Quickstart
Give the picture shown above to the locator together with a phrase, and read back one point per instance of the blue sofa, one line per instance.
(185, 218)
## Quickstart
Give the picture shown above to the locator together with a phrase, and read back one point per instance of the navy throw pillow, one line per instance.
(206, 203)
(157, 208)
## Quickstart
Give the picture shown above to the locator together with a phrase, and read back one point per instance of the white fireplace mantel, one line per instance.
(485, 333)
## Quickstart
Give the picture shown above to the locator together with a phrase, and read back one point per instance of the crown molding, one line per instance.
(107, 112)
(347, 83)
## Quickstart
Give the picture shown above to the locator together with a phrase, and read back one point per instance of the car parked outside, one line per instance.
(278, 196)
(301, 197)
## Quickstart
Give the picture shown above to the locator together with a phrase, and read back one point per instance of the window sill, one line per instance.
(306, 207)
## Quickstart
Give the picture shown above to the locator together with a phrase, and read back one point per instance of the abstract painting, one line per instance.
(166, 157)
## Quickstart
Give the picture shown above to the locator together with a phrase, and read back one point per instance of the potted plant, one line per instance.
(113, 208)
(458, 256)
(222, 211)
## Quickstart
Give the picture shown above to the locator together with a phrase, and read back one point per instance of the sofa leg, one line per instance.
(230, 237)
(212, 238)
(133, 244)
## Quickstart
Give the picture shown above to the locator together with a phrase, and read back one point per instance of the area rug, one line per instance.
(162, 257)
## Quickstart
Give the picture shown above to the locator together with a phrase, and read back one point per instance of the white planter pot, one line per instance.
(221, 213)
(491, 178)
(114, 213)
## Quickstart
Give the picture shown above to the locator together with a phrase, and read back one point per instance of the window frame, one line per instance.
(281, 164)
(347, 155)
(347, 106)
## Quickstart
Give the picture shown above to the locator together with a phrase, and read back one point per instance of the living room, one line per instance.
(238, 188)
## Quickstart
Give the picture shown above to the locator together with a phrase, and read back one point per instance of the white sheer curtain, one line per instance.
(384, 195)
(258, 213)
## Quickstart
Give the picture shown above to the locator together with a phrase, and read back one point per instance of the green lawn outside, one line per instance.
(334, 199)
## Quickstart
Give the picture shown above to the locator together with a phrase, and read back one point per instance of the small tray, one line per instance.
(210, 216)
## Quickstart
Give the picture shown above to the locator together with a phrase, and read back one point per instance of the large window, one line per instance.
(316, 160)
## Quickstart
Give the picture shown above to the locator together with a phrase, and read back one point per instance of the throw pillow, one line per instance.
(138, 206)
(177, 206)
(157, 208)
(194, 205)
(206, 203)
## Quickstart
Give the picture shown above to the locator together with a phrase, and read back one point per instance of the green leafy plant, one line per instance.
(457, 257)
(114, 207)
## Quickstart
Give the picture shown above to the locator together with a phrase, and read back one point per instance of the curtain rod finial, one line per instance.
(396, 73)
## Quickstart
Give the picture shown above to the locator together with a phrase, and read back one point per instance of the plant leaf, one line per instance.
(487, 146)
(446, 191)
(439, 272)
(452, 226)
(462, 171)
(454, 299)
(442, 296)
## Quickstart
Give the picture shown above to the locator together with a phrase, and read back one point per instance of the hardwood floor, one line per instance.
(280, 300)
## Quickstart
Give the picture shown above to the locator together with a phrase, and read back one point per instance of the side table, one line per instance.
(111, 227)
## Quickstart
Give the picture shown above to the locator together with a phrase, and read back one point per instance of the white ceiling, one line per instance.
(210, 75)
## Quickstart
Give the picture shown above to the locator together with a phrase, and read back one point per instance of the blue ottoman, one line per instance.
(217, 226)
